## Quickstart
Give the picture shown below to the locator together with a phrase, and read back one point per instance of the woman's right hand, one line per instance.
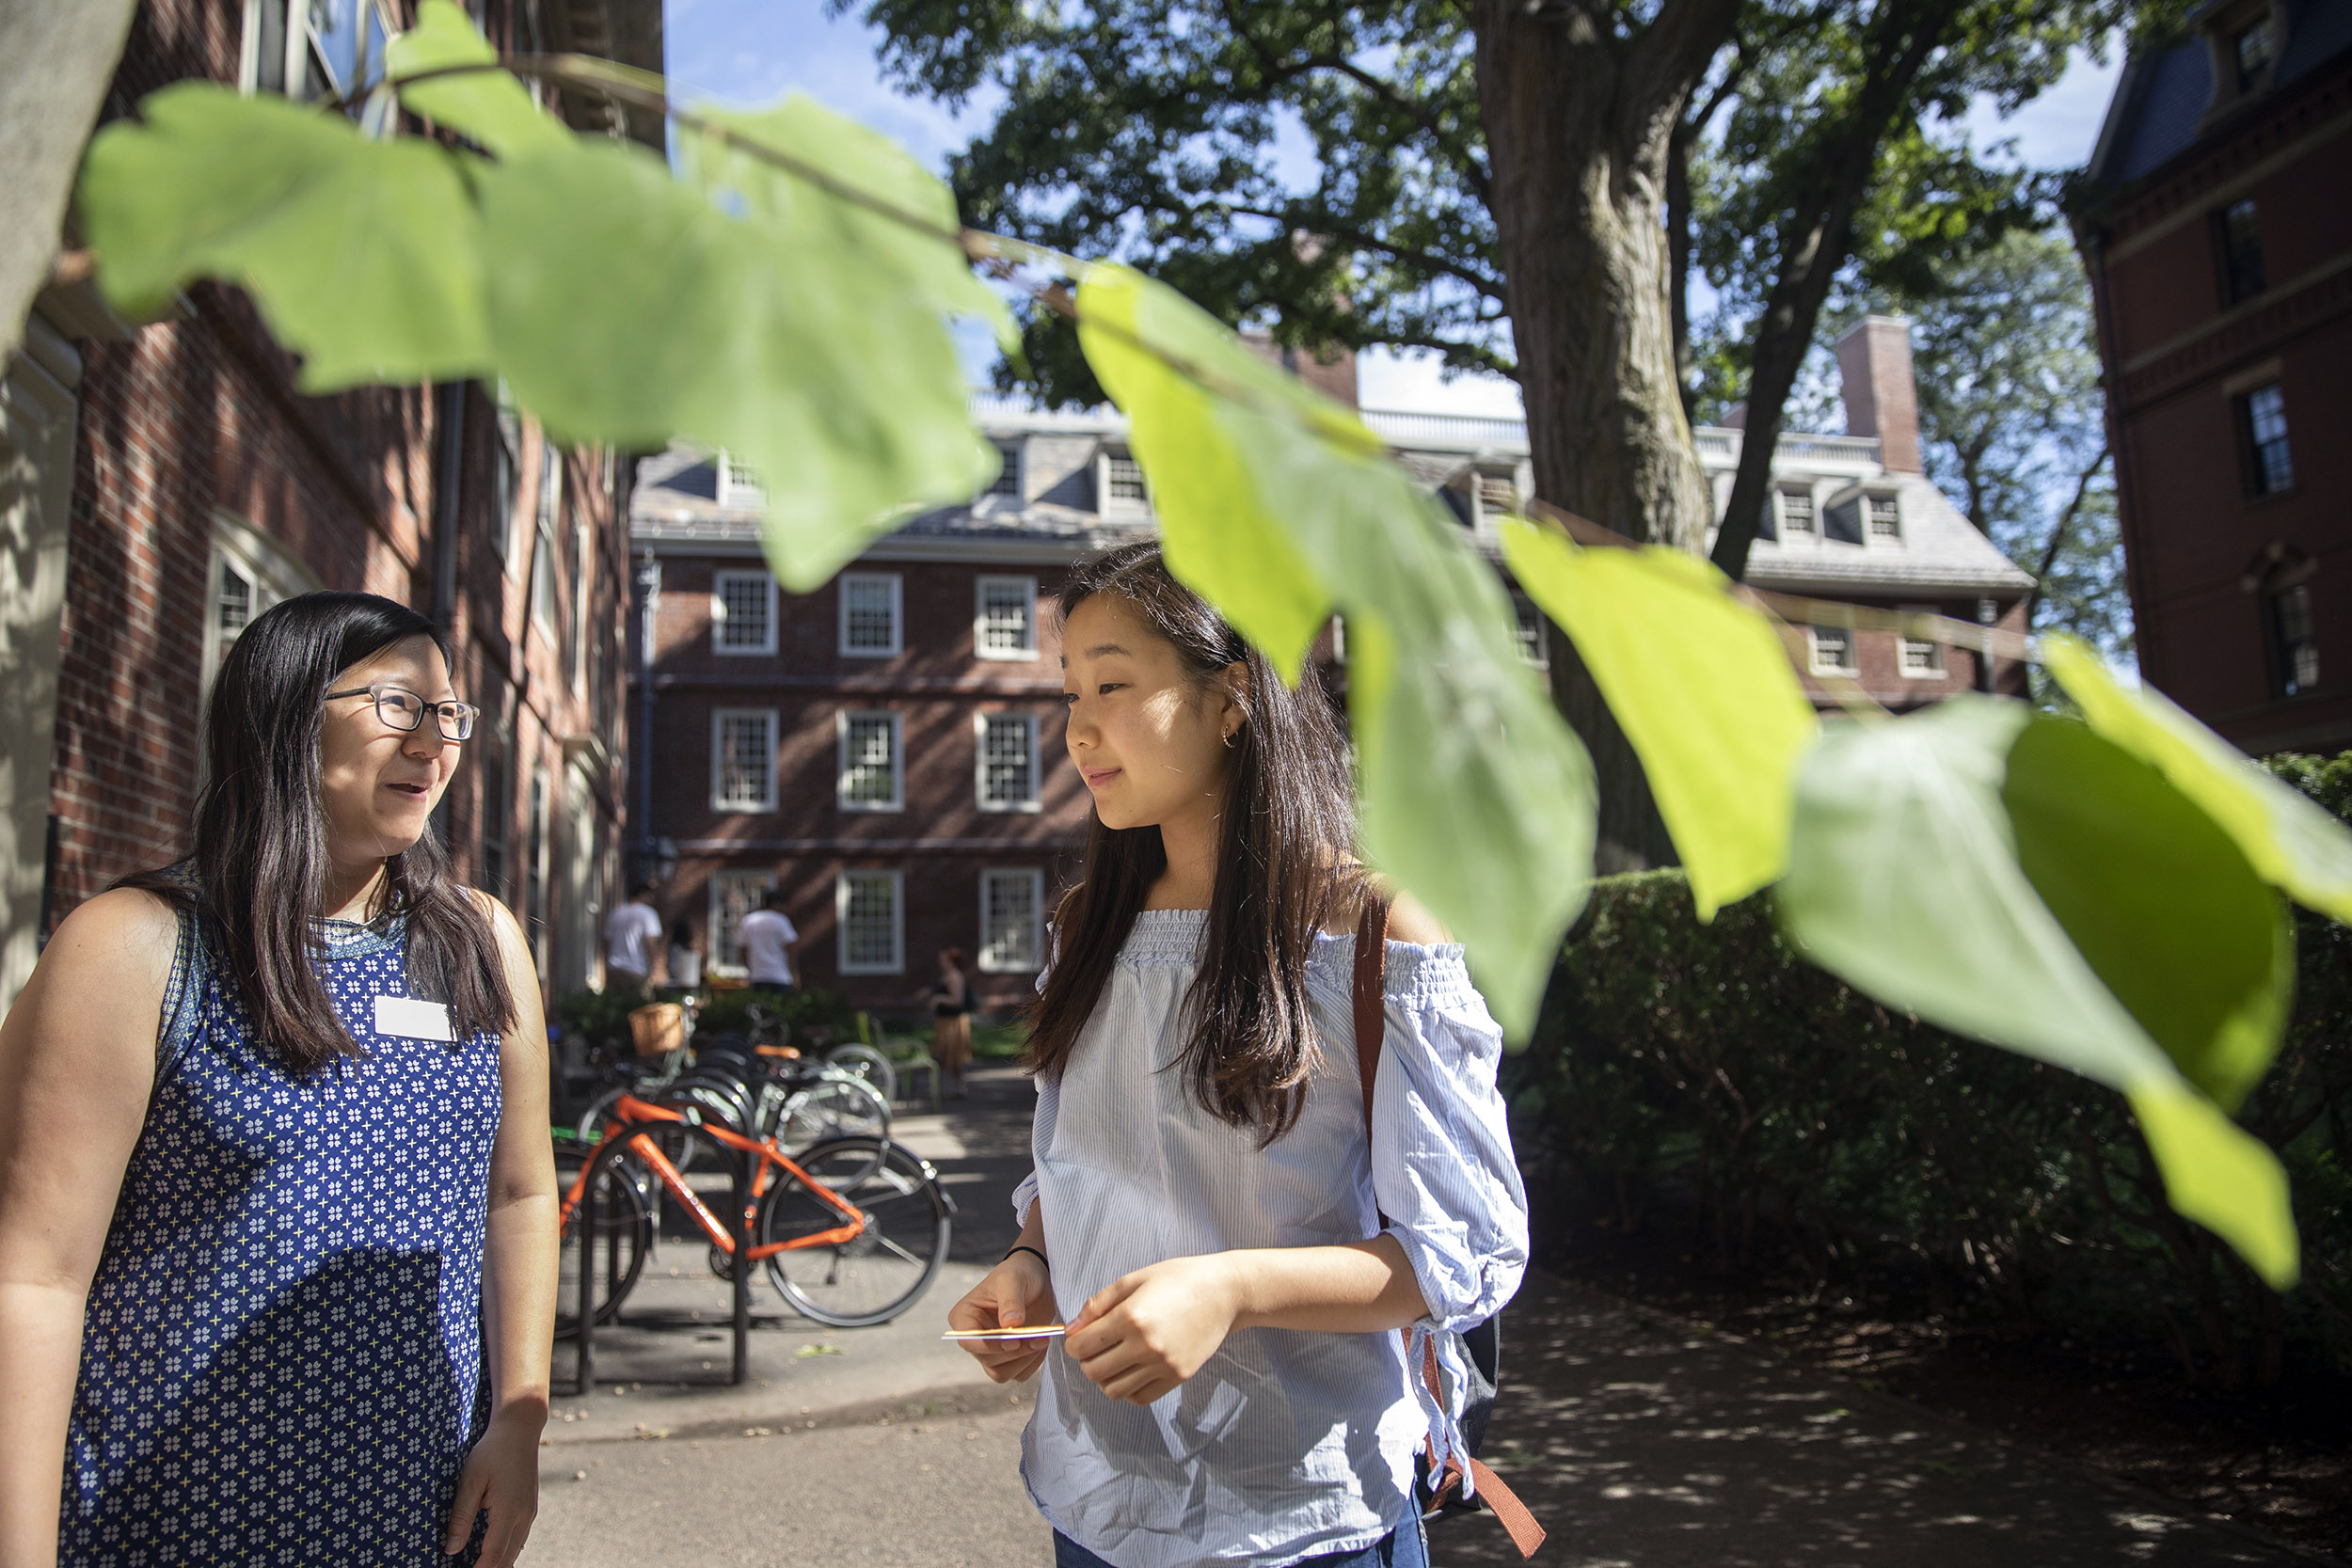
(1017, 1293)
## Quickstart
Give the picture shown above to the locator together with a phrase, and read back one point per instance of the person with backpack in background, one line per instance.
(1233, 1249)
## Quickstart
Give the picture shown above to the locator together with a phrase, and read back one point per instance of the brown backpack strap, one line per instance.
(1372, 964)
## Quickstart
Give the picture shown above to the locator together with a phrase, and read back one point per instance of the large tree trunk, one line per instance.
(57, 57)
(1578, 125)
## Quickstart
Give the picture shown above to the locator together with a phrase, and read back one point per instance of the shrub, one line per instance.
(1705, 1077)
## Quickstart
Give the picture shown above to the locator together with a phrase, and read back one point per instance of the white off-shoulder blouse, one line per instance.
(1288, 1443)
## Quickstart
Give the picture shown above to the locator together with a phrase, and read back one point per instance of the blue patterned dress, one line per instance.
(282, 1361)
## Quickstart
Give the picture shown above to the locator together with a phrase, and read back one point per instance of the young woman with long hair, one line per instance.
(274, 1181)
(1232, 1255)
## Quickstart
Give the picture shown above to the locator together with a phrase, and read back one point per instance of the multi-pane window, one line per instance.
(1796, 511)
(1530, 631)
(733, 895)
(1013, 921)
(1497, 496)
(1919, 656)
(1832, 650)
(2241, 241)
(871, 773)
(2296, 639)
(2263, 429)
(1004, 622)
(505, 479)
(742, 613)
(738, 485)
(1007, 479)
(2250, 48)
(544, 561)
(867, 907)
(536, 866)
(1886, 517)
(1122, 476)
(1007, 775)
(249, 574)
(869, 614)
(497, 802)
(744, 759)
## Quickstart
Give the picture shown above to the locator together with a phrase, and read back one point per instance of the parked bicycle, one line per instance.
(852, 1231)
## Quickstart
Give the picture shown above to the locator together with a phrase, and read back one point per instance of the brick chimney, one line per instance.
(1882, 400)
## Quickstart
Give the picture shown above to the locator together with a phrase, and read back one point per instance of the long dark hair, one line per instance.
(258, 871)
(1285, 866)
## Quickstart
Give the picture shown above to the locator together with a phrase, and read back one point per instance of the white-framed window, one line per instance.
(1004, 618)
(1007, 485)
(1123, 488)
(1920, 658)
(1533, 646)
(872, 776)
(870, 614)
(249, 572)
(1013, 921)
(1004, 773)
(506, 467)
(535, 847)
(1498, 495)
(311, 49)
(869, 911)
(1832, 650)
(742, 613)
(576, 621)
(544, 563)
(1886, 515)
(738, 485)
(744, 759)
(733, 895)
(1796, 511)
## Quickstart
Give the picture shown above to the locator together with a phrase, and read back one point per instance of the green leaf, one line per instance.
(2222, 1177)
(1702, 686)
(491, 107)
(1276, 504)
(2158, 900)
(2292, 842)
(628, 309)
(364, 257)
(1903, 880)
(934, 267)
(1216, 529)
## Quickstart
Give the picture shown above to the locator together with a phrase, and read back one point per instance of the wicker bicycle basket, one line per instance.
(658, 1028)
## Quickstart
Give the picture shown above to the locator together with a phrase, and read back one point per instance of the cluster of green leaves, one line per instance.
(620, 305)
(2095, 895)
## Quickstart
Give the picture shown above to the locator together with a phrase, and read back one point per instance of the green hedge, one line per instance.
(1703, 1079)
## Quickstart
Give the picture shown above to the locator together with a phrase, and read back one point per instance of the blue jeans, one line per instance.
(1404, 1546)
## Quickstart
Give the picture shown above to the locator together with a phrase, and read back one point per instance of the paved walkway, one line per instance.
(1639, 1444)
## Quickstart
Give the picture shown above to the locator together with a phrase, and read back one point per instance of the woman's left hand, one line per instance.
(1145, 1331)
(501, 1476)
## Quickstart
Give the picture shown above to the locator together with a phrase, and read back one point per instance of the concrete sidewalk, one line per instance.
(1638, 1443)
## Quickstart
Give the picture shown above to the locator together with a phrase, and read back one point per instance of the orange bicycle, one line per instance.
(852, 1230)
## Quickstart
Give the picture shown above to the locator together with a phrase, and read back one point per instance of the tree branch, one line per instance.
(1487, 287)
(2060, 529)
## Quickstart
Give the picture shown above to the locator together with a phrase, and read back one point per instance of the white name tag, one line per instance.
(411, 1019)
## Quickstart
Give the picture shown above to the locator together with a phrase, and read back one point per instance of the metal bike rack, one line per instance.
(590, 1215)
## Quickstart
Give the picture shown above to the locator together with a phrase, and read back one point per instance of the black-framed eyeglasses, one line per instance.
(403, 709)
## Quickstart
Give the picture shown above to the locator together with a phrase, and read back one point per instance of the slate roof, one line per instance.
(2163, 94)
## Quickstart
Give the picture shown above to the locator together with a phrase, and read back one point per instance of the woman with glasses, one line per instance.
(278, 1211)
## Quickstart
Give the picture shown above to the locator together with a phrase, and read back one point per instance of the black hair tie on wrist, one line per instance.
(1031, 1251)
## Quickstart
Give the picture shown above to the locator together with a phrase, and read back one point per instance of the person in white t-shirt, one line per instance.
(768, 937)
(631, 934)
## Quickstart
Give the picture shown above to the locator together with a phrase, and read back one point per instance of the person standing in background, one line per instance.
(951, 1020)
(686, 962)
(629, 935)
(767, 939)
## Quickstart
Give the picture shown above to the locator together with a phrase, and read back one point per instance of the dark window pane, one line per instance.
(2269, 468)
(2242, 274)
(2252, 47)
(2297, 641)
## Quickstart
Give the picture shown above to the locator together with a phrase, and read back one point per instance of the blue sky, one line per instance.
(753, 52)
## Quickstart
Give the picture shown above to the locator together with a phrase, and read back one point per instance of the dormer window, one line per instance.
(738, 485)
(1796, 511)
(1886, 518)
(1007, 481)
(1122, 479)
(1497, 496)
(2250, 49)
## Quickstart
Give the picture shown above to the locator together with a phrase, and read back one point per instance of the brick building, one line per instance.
(888, 749)
(2216, 222)
(159, 486)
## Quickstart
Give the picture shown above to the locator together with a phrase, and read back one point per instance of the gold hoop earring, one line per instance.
(1231, 735)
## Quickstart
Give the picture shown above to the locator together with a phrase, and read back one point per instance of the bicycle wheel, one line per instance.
(834, 1105)
(883, 1271)
(622, 1235)
(868, 1064)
